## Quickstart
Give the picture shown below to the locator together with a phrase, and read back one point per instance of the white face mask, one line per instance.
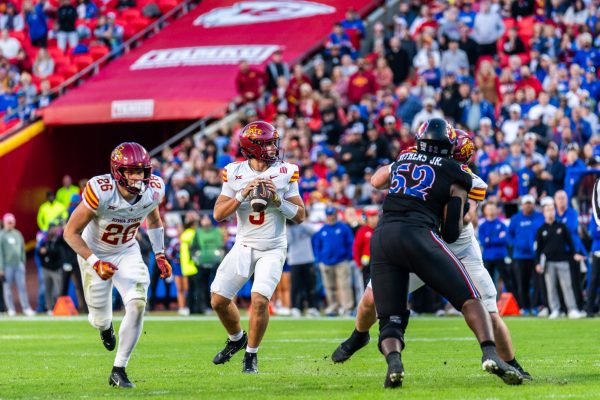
(139, 185)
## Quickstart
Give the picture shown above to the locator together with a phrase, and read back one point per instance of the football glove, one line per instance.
(163, 266)
(105, 269)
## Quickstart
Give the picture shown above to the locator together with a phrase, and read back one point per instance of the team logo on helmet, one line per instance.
(117, 154)
(422, 129)
(467, 150)
(451, 133)
(253, 131)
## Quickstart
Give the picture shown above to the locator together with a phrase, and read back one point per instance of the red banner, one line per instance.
(188, 70)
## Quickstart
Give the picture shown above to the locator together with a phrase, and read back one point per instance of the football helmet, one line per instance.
(436, 137)
(254, 139)
(465, 148)
(126, 156)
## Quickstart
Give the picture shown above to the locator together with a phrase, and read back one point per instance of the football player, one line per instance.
(427, 195)
(467, 249)
(102, 232)
(261, 244)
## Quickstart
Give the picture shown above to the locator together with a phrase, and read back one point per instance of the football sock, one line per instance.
(392, 357)
(487, 343)
(514, 363)
(236, 337)
(360, 336)
(129, 331)
(251, 349)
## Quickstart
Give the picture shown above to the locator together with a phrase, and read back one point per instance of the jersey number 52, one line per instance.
(421, 175)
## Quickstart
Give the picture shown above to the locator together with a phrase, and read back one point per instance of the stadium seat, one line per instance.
(55, 53)
(67, 70)
(139, 24)
(98, 52)
(130, 14)
(166, 5)
(19, 35)
(82, 61)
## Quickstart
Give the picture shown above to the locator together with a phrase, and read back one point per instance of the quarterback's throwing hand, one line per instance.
(104, 269)
(163, 266)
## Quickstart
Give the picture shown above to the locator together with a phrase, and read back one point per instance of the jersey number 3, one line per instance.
(257, 220)
(422, 176)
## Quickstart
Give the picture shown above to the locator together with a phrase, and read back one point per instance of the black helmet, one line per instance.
(436, 137)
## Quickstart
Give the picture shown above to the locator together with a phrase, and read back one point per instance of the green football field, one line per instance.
(53, 358)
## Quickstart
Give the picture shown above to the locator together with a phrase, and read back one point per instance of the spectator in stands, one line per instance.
(66, 192)
(513, 43)
(123, 4)
(594, 280)
(426, 114)
(66, 16)
(576, 14)
(494, 239)
(189, 270)
(276, 68)
(340, 39)
(353, 27)
(522, 232)
(362, 82)
(43, 65)
(554, 175)
(36, 21)
(109, 33)
(332, 246)
(173, 252)
(475, 109)
(250, 84)
(27, 88)
(554, 249)
(398, 60)
(427, 55)
(300, 258)
(361, 248)
(511, 127)
(454, 58)
(12, 266)
(487, 29)
(352, 155)
(206, 250)
(52, 263)
(11, 20)
(87, 10)
(46, 96)
(50, 211)
(210, 188)
(9, 46)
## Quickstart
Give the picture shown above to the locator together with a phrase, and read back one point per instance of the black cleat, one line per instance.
(250, 363)
(118, 377)
(526, 375)
(395, 372)
(349, 347)
(494, 365)
(230, 349)
(108, 338)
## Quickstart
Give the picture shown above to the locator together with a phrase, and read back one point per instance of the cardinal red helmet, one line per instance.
(465, 148)
(256, 137)
(130, 155)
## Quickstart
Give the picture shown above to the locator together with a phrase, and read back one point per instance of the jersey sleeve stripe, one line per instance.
(476, 197)
(478, 191)
(295, 177)
(89, 201)
(224, 175)
(91, 193)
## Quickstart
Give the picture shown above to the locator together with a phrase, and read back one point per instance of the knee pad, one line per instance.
(393, 326)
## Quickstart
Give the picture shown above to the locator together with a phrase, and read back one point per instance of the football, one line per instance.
(259, 197)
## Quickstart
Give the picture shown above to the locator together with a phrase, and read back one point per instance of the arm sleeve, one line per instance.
(451, 225)
(227, 190)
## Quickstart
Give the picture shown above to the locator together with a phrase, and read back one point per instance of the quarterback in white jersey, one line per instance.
(102, 232)
(261, 243)
(467, 249)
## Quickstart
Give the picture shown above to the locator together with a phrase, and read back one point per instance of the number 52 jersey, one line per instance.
(112, 231)
(420, 188)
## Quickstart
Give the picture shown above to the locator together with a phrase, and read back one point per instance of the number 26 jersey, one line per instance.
(112, 231)
(420, 188)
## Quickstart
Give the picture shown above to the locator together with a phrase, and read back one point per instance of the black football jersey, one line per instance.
(420, 188)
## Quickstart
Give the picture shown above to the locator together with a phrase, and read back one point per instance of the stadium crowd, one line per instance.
(520, 76)
(45, 42)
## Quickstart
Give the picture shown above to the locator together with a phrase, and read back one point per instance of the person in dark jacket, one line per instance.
(493, 235)
(36, 22)
(554, 175)
(352, 156)
(521, 236)
(398, 61)
(66, 15)
(52, 263)
(554, 250)
(332, 246)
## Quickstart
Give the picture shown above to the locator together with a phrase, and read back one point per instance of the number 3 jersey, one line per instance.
(112, 231)
(264, 230)
(420, 188)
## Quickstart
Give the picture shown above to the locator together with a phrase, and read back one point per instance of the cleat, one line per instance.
(118, 377)
(108, 338)
(250, 363)
(395, 372)
(348, 348)
(230, 349)
(493, 365)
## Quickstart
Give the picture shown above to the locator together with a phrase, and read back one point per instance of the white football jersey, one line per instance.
(264, 230)
(113, 229)
(477, 194)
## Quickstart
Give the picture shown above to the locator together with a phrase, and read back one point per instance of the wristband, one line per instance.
(92, 259)
(239, 197)
(157, 239)
(288, 209)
